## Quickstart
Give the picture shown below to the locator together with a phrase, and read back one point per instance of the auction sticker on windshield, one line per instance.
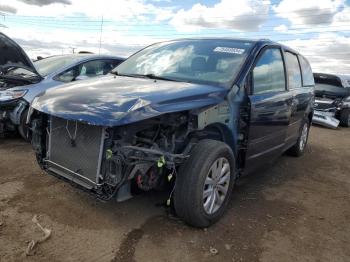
(230, 50)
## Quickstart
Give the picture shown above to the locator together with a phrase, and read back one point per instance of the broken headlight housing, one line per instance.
(12, 94)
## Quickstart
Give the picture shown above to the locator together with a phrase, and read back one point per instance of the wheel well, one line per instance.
(220, 132)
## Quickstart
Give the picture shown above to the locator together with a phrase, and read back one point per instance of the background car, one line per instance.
(22, 80)
(195, 113)
(332, 103)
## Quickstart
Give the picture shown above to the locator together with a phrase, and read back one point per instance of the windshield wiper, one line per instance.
(128, 75)
(153, 76)
(150, 76)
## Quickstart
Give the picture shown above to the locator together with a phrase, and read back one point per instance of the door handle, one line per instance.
(294, 105)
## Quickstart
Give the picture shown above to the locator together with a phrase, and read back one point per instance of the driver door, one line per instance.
(270, 108)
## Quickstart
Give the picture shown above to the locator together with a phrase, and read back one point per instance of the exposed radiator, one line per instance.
(75, 150)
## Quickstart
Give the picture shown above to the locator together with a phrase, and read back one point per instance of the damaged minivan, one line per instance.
(195, 114)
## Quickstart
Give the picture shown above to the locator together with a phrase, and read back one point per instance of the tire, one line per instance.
(23, 128)
(193, 180)
(345, 117)
(299, 148)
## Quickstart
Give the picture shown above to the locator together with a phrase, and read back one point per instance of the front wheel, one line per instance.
(204, 184)
(299, 148)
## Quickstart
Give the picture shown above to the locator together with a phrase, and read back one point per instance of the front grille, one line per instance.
(74, 148)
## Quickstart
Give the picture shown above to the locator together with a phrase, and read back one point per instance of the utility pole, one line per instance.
(73, 49)
(101, 29)
(4, 18)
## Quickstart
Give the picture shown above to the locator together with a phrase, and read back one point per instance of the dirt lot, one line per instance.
(298, 210)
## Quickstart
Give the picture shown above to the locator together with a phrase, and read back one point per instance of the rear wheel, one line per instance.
(23, 127)
(204, 183)
(299, 148)
(345, 117)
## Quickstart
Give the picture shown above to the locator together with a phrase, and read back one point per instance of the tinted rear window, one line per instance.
(294, 74)
(308, 78)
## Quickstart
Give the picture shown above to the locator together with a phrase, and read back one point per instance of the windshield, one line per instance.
(51, 64)
(215, 62)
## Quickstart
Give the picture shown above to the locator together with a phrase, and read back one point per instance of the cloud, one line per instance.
(281, 28)
(244, 15)
(340, 23)
(309, 13)
(46, 2)
(8, 9)
(60, 41)
(342, 18)
(329, 53)
(121, 10)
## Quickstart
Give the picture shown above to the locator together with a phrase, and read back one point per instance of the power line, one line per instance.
(173, 31)
(306, 13)
(99, 49)
(96, 27)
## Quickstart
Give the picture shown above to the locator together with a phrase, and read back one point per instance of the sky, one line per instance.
(318, 29)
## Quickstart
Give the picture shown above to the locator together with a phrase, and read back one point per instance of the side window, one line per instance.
(68, 75)
(308, 78)
(95, 68)
(87, 70)
(294, 75)
(268, 74)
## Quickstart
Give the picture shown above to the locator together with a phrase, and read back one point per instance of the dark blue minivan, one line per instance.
(193, 114)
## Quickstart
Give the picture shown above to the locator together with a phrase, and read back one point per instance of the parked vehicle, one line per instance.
(197, 113)
(332, 103)
(21, 79)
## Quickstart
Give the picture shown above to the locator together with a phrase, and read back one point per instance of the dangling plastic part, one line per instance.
(161, 162)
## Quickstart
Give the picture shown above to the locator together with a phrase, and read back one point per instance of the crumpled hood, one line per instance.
(117, 100)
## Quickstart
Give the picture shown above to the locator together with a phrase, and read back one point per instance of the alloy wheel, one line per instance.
(216, 185)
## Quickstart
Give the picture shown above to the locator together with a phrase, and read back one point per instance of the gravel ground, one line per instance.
(297, 210)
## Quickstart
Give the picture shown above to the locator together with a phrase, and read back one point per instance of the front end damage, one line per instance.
(10, 115)
(327, 111)
(107, 160)
(110, 160)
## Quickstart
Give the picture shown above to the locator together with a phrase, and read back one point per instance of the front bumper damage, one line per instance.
(326, 111)
(326, 119)
(104, 160)
(112, 141)
(10, 115)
